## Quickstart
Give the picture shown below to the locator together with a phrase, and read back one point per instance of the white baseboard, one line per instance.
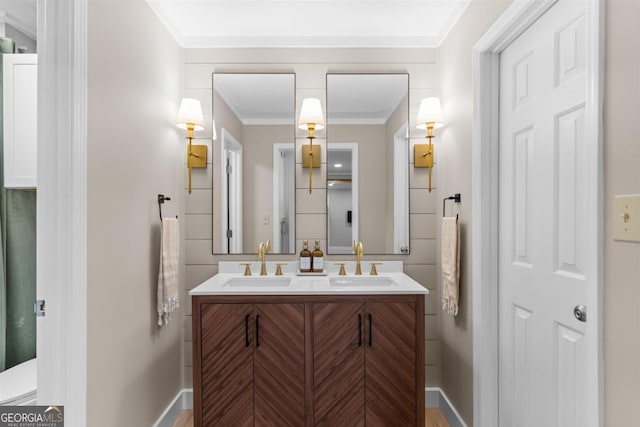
(436, 398)
(182, 401)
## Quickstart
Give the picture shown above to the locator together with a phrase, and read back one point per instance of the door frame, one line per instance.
(278, 178)
(62, 207)
(485, 78)
(231, 144)
(401, 189)
(355, 210)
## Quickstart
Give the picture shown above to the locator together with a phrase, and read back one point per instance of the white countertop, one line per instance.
(388, 283)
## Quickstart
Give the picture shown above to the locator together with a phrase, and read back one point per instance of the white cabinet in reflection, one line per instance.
(20, 108)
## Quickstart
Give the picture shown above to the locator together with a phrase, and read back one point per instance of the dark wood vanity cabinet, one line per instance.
(308, 360)
(252, 365)
(365, 364)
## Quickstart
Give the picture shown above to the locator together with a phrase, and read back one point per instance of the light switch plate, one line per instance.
(627, 218)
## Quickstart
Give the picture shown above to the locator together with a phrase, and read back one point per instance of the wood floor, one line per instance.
(434, 418)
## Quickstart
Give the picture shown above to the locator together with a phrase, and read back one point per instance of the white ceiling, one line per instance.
(364, 98)
(21, 15)
(309, 23)
(258, 99)
(268, 99)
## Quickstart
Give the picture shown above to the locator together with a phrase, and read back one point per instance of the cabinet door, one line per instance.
(390, 373)
(227, 365)
(279, 364)
(20, 104)
(338, 344)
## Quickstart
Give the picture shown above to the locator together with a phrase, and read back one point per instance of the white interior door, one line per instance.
(546, 353)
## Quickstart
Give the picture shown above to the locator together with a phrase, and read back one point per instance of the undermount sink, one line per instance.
(258, 282)
(362, 281)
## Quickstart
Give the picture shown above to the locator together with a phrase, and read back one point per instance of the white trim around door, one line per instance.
(517, 18)
(62, 207)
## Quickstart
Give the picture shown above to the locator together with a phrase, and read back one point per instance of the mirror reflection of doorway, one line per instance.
(231, 214)
(342, 197)
(284, 203)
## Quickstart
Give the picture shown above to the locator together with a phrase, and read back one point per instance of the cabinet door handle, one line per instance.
(359, 330)
(257, 330)
(246, 331)
(370, 330)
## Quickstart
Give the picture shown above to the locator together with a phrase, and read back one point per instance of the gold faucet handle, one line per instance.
(279, 269)
(374, 271)
(342, 270)
(247, 268)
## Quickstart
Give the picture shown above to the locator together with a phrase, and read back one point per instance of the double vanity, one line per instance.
(320, 350)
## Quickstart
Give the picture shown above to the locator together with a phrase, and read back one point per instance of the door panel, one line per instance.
(390, 373)
(543, 227)
(338, 344)
(227, 365)
(279, 365)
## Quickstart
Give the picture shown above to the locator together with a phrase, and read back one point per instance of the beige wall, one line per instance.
(134, 153)
(311, 66)
(372, 180)
(622, 176)
(258, 143)
(453, 158)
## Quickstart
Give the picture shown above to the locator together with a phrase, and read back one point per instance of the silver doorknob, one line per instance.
(580, 311)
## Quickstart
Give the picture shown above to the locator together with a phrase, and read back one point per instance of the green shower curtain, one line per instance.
(17, 266)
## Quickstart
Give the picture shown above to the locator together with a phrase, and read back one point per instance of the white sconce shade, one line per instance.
(190, 112)
(311, 113)
(430, 112)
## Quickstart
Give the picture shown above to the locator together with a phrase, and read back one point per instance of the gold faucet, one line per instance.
(359, 250)
(263, 249)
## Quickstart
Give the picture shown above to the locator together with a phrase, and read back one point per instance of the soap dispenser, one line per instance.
(305, 258)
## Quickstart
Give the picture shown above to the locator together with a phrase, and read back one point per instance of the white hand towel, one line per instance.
(168, 297)
(450, 264)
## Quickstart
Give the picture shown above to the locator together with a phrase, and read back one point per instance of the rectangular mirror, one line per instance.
(368, 163)
(253, 162)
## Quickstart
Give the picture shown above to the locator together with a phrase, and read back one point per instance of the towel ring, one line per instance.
(161, 199)
(455, 198)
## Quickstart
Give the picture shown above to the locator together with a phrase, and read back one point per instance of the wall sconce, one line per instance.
(429, 118)
(190, 118)
(312, 120)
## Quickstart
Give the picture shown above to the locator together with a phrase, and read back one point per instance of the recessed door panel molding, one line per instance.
(570, 50)
(569, 363)
(522, 81)
(570, 191)
(522, 352)
(522, 217)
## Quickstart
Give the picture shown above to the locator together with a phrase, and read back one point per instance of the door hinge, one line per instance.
(38, 308)
(229, 169)
(229, 234)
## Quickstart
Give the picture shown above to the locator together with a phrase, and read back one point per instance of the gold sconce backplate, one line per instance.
(199, 156)
(306, 157)
(422, 157)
